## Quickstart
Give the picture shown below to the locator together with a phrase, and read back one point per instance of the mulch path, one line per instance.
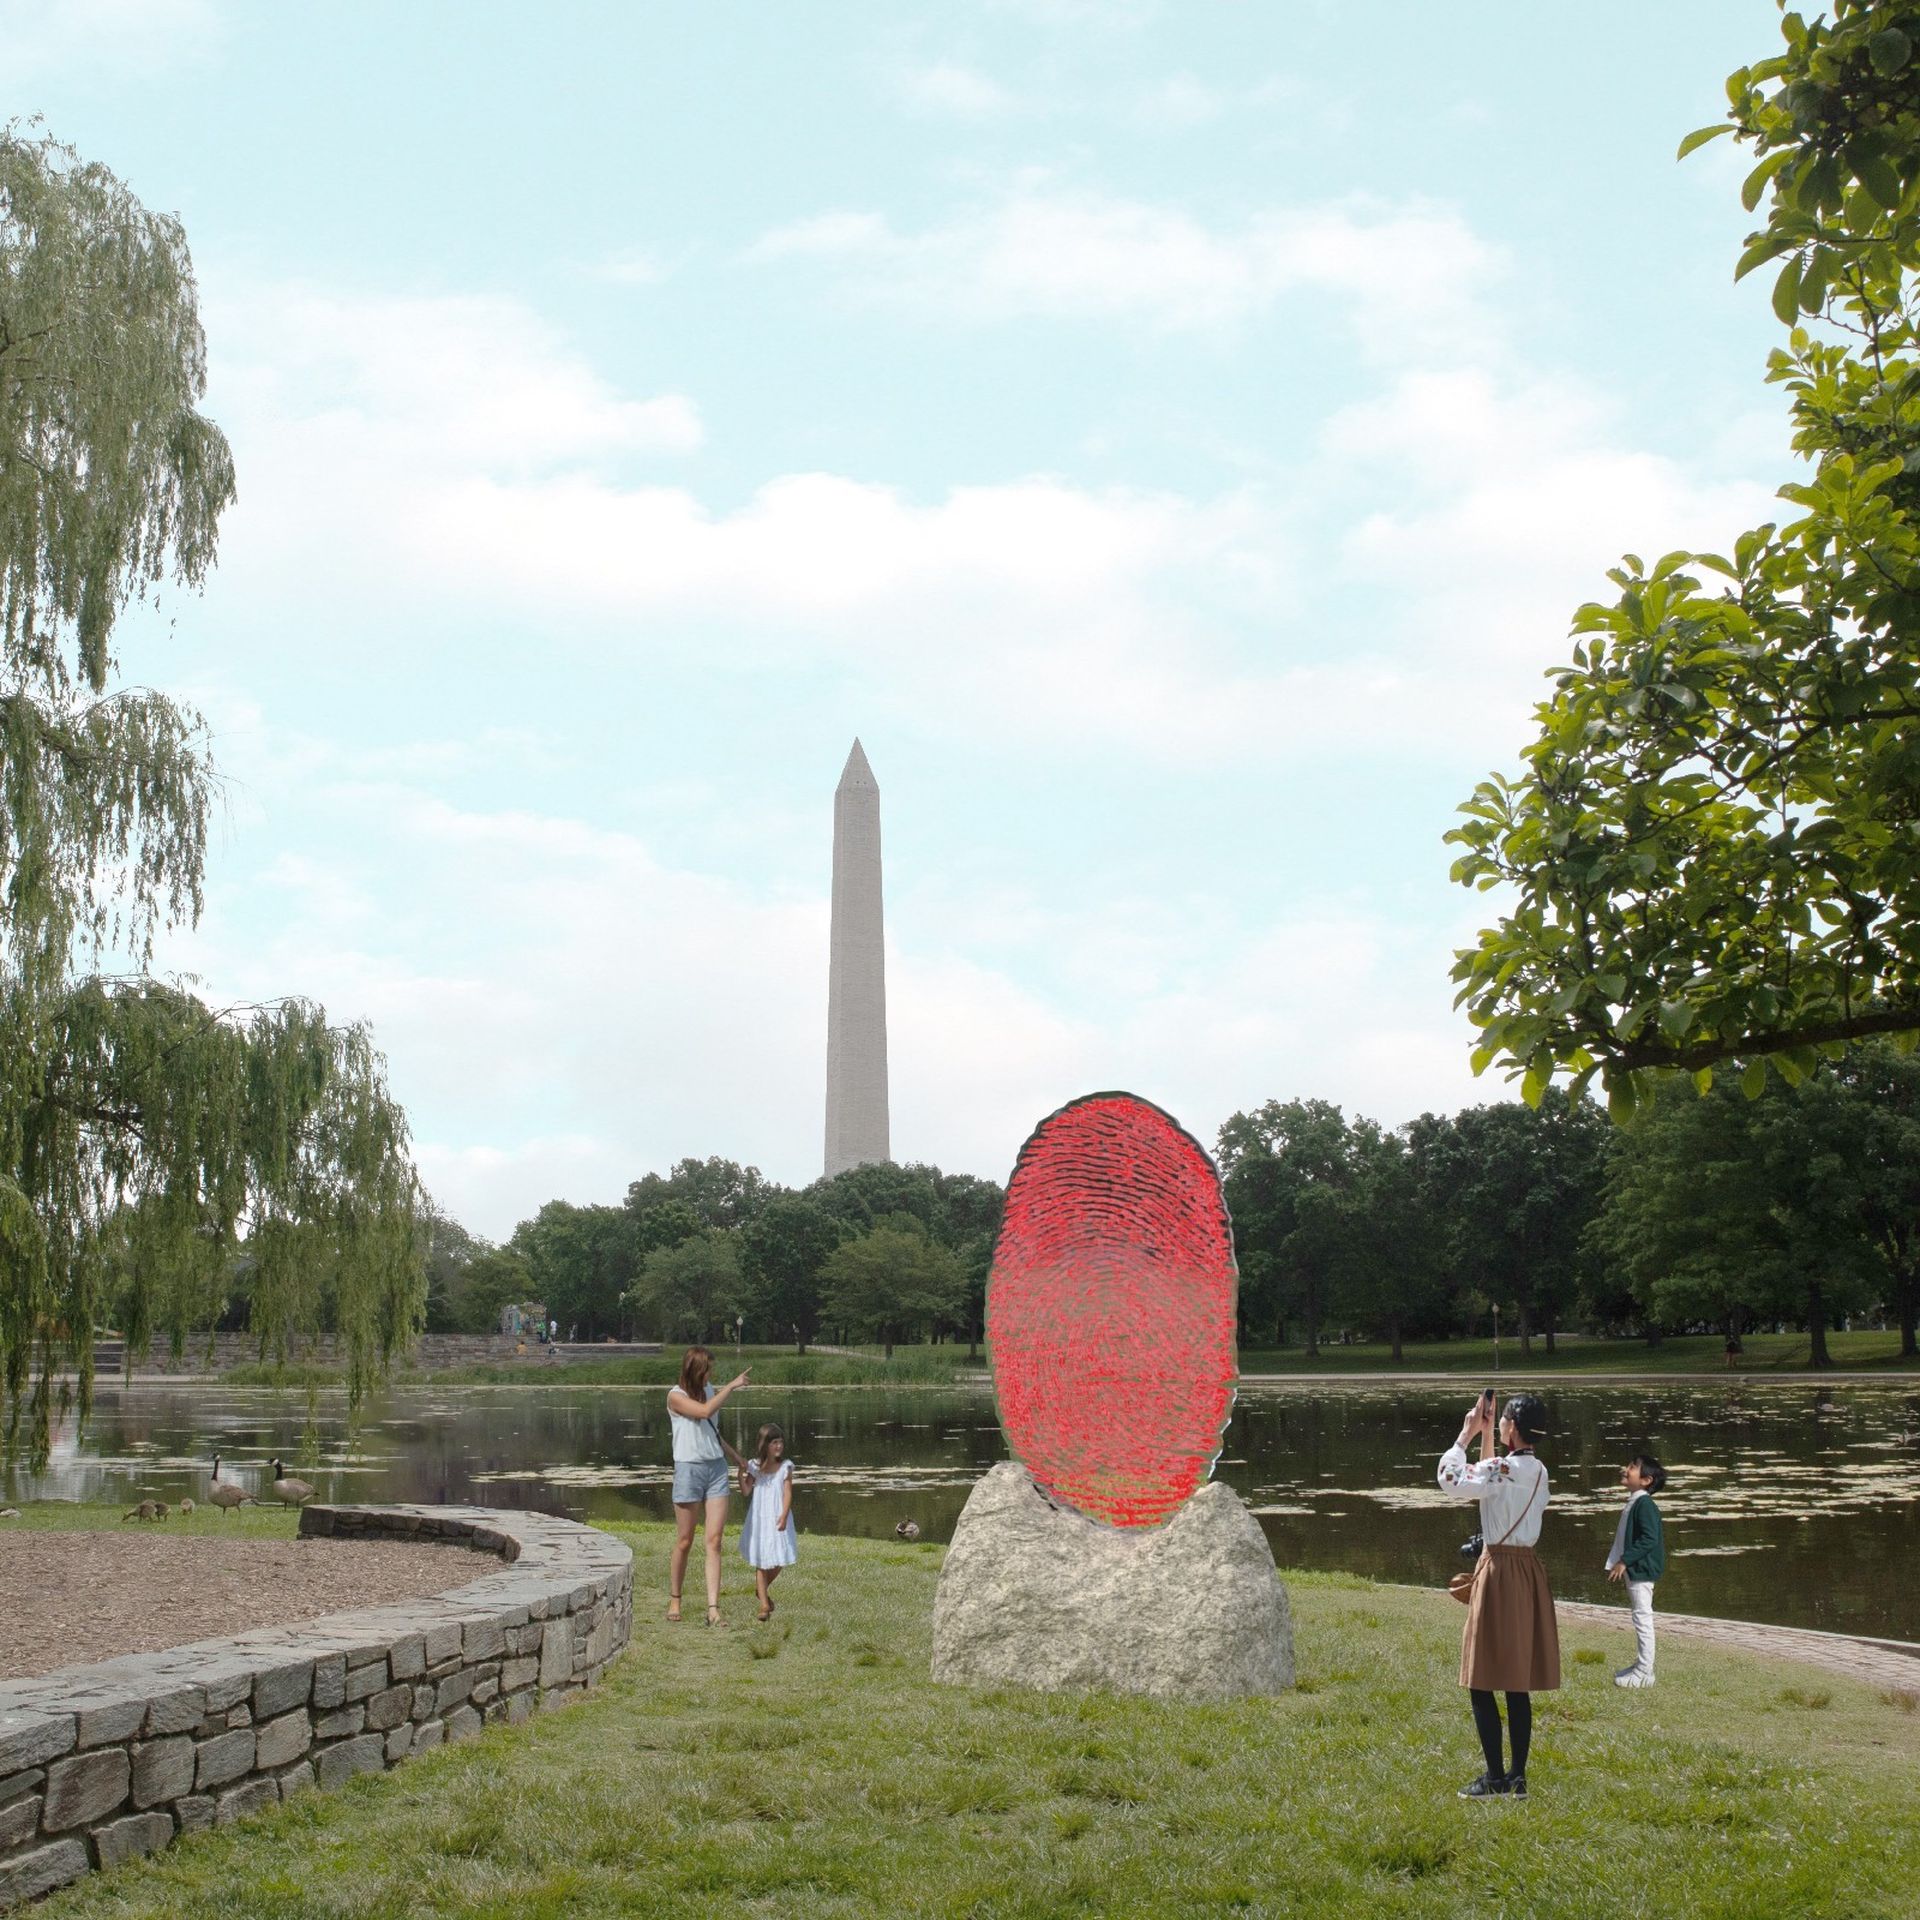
(68, 1598)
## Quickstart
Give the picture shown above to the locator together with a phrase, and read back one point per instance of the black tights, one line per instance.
(1486, 1720)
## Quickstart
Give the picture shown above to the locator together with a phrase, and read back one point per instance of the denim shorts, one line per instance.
(698, 1480)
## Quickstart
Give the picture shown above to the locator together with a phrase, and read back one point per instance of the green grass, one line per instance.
(1581, 1353)
(772, 1367)
(810, 1768)
(259, 1521)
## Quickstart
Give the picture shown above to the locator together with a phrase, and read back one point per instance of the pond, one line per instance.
(1796, 1503)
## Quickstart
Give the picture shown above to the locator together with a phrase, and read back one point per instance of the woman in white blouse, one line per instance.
(1511, 1644)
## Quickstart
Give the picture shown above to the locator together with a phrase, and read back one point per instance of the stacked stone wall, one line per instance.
(100, 1763)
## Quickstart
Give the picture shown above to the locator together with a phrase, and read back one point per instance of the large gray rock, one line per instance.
(1036, 1595)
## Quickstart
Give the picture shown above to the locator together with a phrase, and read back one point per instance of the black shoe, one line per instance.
(1487, 1786)
(1517, 1785)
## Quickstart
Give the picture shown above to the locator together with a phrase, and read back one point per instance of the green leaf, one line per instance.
(1701, 135)
(1767, 246)
(1755, 183)
(1621, 1097)
(1753, 1078)
(1703, 1080)
(1872, 170)
(1786, 292)
(1889, 50)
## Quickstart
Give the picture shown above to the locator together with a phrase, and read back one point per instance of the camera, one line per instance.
(1472, 1547)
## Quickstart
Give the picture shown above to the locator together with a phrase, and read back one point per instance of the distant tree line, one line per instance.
(1708, 1212)
(882, 1254)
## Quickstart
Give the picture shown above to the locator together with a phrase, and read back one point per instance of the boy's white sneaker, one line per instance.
(1632, 1677)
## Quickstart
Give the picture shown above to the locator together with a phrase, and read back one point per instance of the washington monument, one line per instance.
(856, 978)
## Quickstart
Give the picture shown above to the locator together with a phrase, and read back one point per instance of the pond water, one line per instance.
(1797, 1503)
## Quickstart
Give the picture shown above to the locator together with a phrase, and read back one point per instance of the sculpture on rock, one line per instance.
(1101, 1557)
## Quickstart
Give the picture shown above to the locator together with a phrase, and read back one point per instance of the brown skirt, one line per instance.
(1511, 1643)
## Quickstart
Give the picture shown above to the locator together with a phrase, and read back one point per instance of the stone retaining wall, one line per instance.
(99, 1763)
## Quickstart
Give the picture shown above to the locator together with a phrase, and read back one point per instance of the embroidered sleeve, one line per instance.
(1459, 1481)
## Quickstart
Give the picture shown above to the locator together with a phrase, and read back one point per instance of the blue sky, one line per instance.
(1173, 438)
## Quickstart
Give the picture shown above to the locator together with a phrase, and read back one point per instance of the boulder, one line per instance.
(1036, 1595)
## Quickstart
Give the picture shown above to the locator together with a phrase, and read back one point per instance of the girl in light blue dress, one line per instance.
(766, 1541)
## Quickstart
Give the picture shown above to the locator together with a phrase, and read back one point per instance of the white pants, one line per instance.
(1640, 1598)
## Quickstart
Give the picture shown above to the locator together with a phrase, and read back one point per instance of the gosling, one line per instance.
(186, 1509)
(908, 1530)
(290, 1492)
(146, 1510)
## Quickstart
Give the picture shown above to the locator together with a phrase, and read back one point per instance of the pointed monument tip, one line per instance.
(856, 773)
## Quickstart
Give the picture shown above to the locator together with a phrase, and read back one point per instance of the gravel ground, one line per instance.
(68, 1598)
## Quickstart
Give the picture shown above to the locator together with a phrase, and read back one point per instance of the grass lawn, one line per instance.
(1766, 1353)
(811, 1768)
(772, 1367)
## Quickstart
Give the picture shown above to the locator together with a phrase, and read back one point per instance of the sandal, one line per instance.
(766, 1612)
(713, 1617)
(673, 1609)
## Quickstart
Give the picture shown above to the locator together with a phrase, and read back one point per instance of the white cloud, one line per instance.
(1180, 101)
(634, 267)
(954, 91)
(1413, 276)
(565, 1011)
(449, 381)
(42, 40)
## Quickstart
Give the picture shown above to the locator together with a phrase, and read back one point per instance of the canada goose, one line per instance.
(291, 1492)
(223, 1493)
(908, 1530)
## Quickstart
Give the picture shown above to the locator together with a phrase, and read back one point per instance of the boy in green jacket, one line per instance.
(1639, 1557)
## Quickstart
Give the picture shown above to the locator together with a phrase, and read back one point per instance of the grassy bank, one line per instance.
(810, 1768)
(1765, 1354)
(772, 1367)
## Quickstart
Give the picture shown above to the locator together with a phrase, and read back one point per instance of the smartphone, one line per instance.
(1486, 1398)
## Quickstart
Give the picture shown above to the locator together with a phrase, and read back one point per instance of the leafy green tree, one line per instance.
(783, 1250)
(495, 1277)
(1290, 1171)
(1709, 855)
(447, 1249)
(580, 1261)
(1522, 1185)
(136, 1123)
(721, 1193)
(1726, 1210)
(865, 1195)
(692, 1290)
(1389, 1274)
(892, 1283)
(1884, 1089)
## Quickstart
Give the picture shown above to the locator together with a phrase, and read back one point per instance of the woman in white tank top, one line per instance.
(700, 1456)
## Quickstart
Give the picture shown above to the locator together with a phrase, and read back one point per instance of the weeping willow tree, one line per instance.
(142, 1133)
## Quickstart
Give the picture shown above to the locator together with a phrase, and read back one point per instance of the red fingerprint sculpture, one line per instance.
(1111, 1310)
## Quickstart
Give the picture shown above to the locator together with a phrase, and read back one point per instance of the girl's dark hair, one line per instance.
(1528, 1412)
(1651, 1471)
(768, 1435)
(694, 1370)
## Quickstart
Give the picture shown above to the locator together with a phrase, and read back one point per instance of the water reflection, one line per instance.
(1797, 1503)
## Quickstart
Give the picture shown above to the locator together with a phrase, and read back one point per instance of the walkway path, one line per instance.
(1879, 1663)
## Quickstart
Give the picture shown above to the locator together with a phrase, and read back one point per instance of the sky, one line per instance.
(1173, 438)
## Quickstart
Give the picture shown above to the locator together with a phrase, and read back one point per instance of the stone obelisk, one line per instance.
(856, 977)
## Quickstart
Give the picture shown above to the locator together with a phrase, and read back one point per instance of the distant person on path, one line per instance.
(1511, 1644)
(1639, 1557)
(1733, 1351)
(700, 1457)
(766, 1540)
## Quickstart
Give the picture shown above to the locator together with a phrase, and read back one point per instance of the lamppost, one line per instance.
(739, 1323)
(1496, 1338)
